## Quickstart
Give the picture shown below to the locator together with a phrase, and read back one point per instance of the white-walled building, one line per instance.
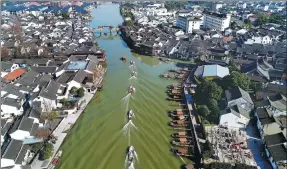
(188, 24)
(216, 6)
(216, 21)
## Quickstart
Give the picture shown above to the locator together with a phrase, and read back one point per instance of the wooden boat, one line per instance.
(174, 87)
(178, 123)
(181, 152)
(175, 98)
(176, 113)
(183, 142)
(181, 117)
(123, 58)
(180, 134)
(165, 75)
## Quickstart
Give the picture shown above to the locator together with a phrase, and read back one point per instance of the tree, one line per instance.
(276, 18)
(4, 53)
(261, 19)
(203, 110)
(207, 90)
(73, 90)
(255, 86)
(233, 25)
(81, 92)
(36, 147)
(235, 79)
(50, 117)
(46, 151)
(214, 111)
(43, 133)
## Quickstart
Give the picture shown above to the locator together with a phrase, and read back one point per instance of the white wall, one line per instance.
(20, 135)
(217, 23)
(7, 162)
(193, 25)
(233, 121)
(8, 110)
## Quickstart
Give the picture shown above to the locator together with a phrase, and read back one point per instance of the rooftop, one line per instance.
(14, 75)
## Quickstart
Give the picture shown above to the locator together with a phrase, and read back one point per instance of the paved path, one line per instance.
(58, 132)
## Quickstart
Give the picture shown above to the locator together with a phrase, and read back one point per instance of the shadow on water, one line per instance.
(125, 45)
(185, 65)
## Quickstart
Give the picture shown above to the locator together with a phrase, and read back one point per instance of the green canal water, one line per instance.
(97, 140)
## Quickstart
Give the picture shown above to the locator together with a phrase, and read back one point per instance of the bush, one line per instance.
(46, 152)
(36, 147)
(73, 90)
(81, 92)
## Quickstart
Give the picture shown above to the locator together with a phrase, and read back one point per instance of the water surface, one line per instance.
(97, 140)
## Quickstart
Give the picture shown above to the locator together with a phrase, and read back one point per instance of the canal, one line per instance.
(97, 140)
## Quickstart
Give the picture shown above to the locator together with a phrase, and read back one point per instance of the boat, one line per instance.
(180, 134)
(178, 123)
(174, 87)
(130, 114)
(134, 73)
(175, 98)
(165, 75)
(183, 142)
(123, 58)
(181, 152)
(132, 62)
(181, 117)
(131, 89)
(131, 156)
(176, 113)
(174, 92)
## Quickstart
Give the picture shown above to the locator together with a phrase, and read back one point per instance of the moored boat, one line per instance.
(178, 123)
(183, 142)
(181, 152)
(131, 89)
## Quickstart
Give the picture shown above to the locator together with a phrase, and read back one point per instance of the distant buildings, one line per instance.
(188, 23)
(216, 21)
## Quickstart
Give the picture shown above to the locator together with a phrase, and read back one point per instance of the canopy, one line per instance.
(183, 133)
(183, 140)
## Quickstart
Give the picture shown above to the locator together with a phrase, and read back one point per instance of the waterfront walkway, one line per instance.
(61, 131)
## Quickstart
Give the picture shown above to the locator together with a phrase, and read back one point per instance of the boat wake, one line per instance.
(128, 126)
(133, 78)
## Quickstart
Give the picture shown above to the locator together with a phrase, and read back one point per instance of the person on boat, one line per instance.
(130, 114)
(134, 73)
(132, 62)
(131, 89)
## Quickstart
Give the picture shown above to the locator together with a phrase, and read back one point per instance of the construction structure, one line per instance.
(230, 145)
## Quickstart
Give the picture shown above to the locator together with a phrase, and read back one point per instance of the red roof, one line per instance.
(227, 38)
(14, 75)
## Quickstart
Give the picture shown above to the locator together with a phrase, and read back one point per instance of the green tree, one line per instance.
(73, 90)
(50, 117)
(235, 79)
(46, 152)
(36, 147)
(207, 90)
(276, 18)
(203, 110)
(255, 86)
(81, 92)
(261, 19)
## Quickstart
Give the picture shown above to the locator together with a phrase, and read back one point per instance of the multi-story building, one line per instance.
(188, 23)
(216, 6)
(216, 21)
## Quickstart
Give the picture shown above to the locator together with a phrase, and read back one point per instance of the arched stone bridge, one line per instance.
(110, 28)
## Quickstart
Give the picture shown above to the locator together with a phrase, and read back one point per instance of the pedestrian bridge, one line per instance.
(110, 29)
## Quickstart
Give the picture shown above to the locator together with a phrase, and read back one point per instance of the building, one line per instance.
(211, 72)
(238, 108)
(216, 21)
(216, 6)
(188, 23)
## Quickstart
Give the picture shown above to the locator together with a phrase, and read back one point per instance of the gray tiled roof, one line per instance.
(80, 76)
(44, 69)
(29, 78)
(21, 155)
(50, 92)
(34, 129)
(237, 93)
(26, 124)
(13, 149)
(11, 102)
(91, 66)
